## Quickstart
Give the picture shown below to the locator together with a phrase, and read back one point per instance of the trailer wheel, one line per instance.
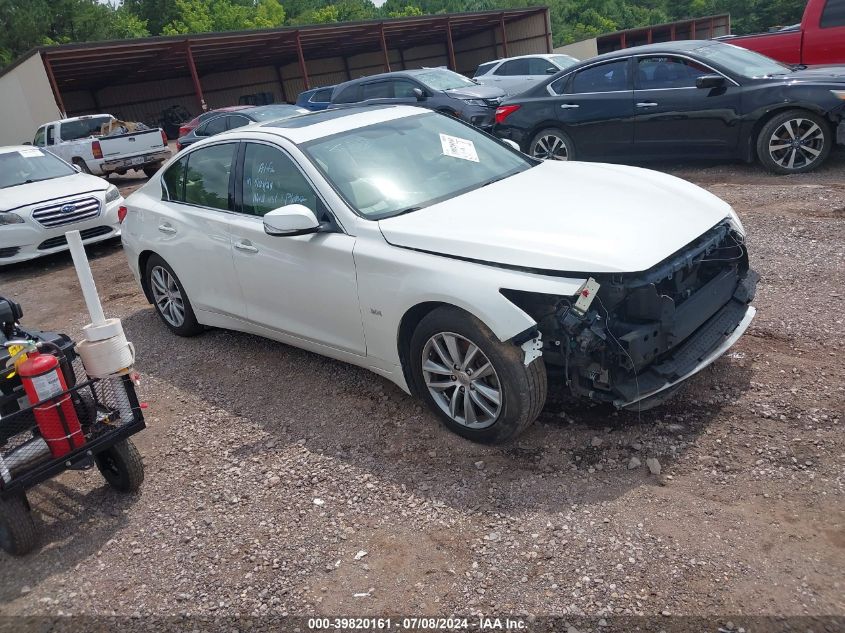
(18, 535)
(121, 466)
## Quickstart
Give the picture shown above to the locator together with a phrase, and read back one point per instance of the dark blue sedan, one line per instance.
(315, 99)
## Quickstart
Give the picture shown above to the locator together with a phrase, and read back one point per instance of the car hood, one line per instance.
(476, 92)
(12, 198)
(566, 217)
(820, 73)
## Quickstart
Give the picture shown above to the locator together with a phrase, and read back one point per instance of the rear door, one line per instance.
(512, 76)
(190, 227)
(302, 286)
(596, 107)
(674, 118)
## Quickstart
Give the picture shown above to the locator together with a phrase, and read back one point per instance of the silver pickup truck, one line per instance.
(79, 141)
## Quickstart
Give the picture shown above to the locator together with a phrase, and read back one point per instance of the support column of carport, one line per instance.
(57, 95)
(189, 55)
(450, 45)
(504, 35)
(384, 48)
(302, 69)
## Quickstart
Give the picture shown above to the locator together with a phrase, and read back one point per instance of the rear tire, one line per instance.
(794, 142)
(169, 298)
(83, 166)
(149, 172)
(18, 534)
(121, 466)
(492, 405)
(552, 144)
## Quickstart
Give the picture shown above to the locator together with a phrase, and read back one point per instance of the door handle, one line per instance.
(167, 228)
(246, 247)
(646, 104)
(568, 106)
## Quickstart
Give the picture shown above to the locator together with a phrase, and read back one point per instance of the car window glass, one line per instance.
(376, 90)
(347, 95)
(207, 176)
(833, 14)
(513, 67)
(173, 181)
(51, 135)
(39, 137)
(558, 86)
(237, 121)
(214, 126)
(483, 69)
(272, 180)
(83, 128)
(321, 96)
(539, 66)
(403, 88)
(609, 77)
(662, 72)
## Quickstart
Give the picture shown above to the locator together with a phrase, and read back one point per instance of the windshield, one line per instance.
(273, 113)
(30, 165)
(83, 128)
(742, 61)
(405, 164)
(442, 79)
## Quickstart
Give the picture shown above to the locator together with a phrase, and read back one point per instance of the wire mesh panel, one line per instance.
(60, 428)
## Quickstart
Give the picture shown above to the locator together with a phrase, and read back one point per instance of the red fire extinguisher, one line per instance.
(56, 419)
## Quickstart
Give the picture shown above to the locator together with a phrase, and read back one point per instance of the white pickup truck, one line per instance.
(78, 140)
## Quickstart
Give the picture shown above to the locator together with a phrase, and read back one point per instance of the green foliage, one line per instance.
(28, 23)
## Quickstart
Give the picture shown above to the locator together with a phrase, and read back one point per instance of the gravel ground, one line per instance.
(280, 482)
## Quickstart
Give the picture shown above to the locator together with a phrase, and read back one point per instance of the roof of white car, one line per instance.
(8, 149)
(315, 125)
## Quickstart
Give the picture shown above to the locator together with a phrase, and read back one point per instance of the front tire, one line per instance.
(552, 144)
(121, 466)
(794, 142)
(479, 386)
(170, 299)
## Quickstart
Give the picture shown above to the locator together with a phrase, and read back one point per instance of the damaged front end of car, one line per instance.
(630, 339)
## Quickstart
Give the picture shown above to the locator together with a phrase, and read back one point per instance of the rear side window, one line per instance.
(833, 14)
(610, 77)
(207, 176)
(83, 128)
(237, 121)
(272, 180)
(347, 95)
(322, 96)
(483, 69)
(173, 181)
(215, 126)
(513, 67)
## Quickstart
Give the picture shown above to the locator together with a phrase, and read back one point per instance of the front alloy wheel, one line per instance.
(167, 296)
(794, 142)
(461, 380)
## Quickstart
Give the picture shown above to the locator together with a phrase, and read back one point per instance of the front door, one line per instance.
(303, 286)
(675, 118)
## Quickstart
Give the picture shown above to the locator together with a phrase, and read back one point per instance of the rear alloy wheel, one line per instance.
(169, 297)
(794, 142)
(478, 385)
(552, 144)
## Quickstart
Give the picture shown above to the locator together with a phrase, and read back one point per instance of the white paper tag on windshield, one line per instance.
(458, 148)
(30, 153)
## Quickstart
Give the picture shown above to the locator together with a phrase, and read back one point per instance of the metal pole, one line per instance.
(549, 43)
(53, 85)
(302, 69)
(346, 68)
(504, 35)
(281, 83)
(384, 48)
(451, 46)
(194, 76)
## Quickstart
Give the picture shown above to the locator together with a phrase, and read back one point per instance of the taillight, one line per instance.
(503, 112)
(178, 146)
(163, 138)
(96, 149)
(184, 130)
(121, 214)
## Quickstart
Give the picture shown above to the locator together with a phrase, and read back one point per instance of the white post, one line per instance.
(86, 279)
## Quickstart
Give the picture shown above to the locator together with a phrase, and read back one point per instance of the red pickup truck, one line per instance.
(820, 38)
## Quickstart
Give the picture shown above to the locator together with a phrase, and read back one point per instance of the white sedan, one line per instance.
(42, 196)
(467, 273)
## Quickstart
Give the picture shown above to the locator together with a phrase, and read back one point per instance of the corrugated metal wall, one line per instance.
(145, 101)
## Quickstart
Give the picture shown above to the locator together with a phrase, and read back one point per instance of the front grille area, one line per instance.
(87, 234)
(67, 212)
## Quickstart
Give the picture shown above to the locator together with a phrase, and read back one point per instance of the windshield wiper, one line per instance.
(404, 211)
(490, 182)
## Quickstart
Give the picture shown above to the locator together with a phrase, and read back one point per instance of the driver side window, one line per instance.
(271, 180)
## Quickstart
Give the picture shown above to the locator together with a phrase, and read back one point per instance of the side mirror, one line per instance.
(27, 143)
(551, 70)
(710, 81)
(419, 94)
(510, 143)
(76, 168)
(291, 220)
